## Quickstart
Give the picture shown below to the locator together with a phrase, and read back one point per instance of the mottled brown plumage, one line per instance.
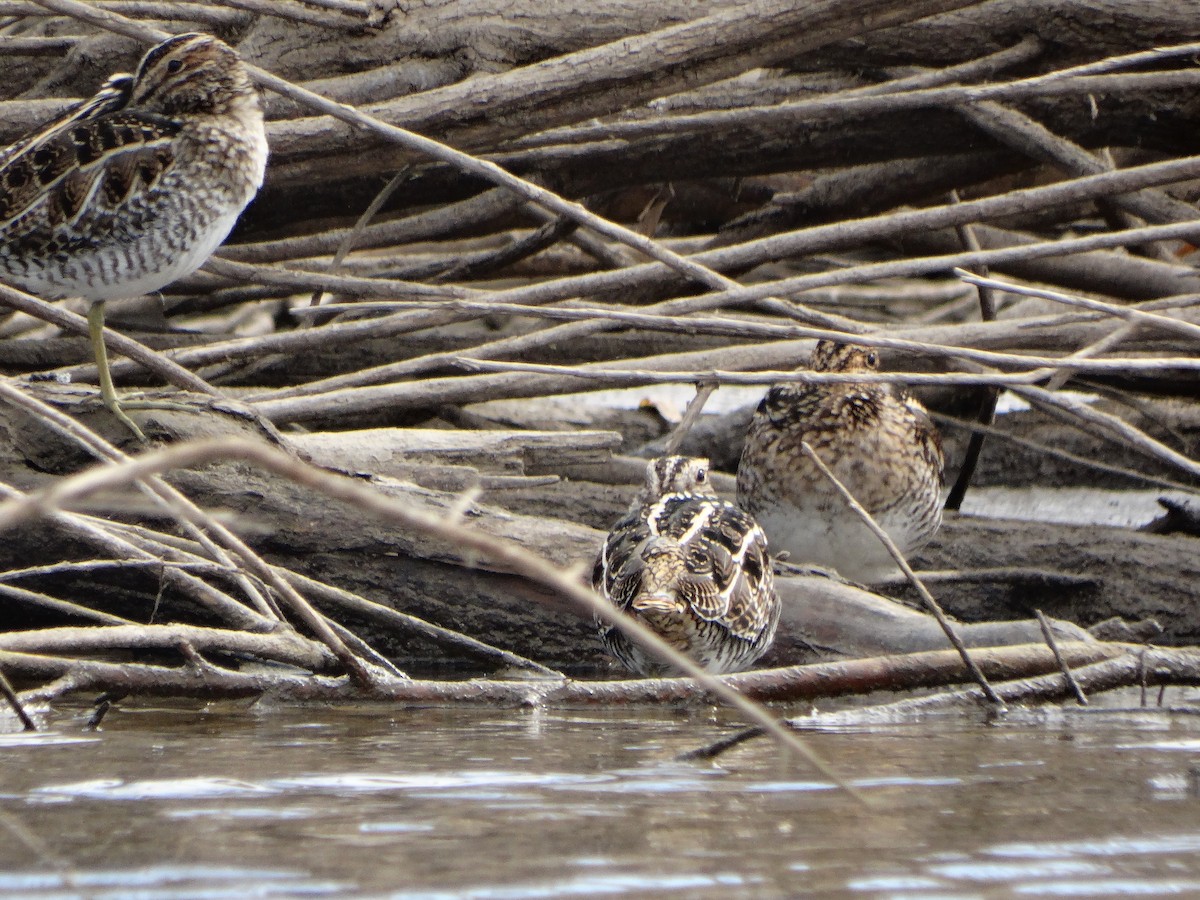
(691, 566)
(876, 439)
(136, 187)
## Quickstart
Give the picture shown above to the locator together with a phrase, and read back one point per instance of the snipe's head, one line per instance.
(834, 356)
(192, 74)
(675, 475)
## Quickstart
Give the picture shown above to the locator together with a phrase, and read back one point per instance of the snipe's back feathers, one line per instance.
(691, 566)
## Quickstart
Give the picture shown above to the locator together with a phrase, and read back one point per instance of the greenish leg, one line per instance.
(107, 392)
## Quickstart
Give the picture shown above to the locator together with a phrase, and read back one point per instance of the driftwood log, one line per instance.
(299, 531)
(679, 193)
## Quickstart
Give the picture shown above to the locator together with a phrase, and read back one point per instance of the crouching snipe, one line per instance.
(692, 567)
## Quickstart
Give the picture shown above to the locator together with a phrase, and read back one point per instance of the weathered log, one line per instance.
(826, 680)
(381, 451)
(297, 529)
(1132, 574)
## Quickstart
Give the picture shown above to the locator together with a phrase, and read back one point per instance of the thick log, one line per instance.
(1128, 573)
(301, 530)
(393, 451)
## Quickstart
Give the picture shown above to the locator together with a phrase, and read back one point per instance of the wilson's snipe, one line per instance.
(136, 187)
(692, 567)
(880, 444)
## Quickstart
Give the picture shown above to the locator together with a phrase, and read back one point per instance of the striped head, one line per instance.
(834, 356)
(192, 74)
(674, 475)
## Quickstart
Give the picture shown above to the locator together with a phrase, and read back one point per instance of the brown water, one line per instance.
(244, 802)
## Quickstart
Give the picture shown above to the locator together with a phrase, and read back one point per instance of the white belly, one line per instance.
(840, 542)
(105, 275)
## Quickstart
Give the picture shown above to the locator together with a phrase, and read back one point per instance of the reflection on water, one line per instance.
(380, 802)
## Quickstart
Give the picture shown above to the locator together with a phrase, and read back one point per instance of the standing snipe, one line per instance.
(136, 187)
(880, 444)
(691, 566)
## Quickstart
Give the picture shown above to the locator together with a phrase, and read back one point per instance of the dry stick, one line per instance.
(986, 413)
(1133, 318)
(384, 615)
(879, 100)
(185, 511)
(169, 371)
(498, 551)
(602, 80)
(94, 565)
(539, 239)
(1179, 666)
(841, 678)
(1121, 671)
(333, 335)
(1105, 424)
(1170, 666)
(1058, 453)
(285, 647)
(1108, 342)
(347, 243)
(492, 204)
(1052, 643)
(378, 612)
(1131, 314)
(355, 7)
(606, 373)
(982, 67)
(728, 326)
(100, 533)
(39, 46)
(11, 697)
(911, 671)
(12, 594)
(161, 493)
(1095, 421)
(305, 279)
(561, 146)
(695, 406)
(297, 12)
(186, 11)
(1023, 134)
(896, 555)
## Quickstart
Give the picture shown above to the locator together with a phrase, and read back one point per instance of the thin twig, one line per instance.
(198, 522)
(986, 413)
(14, 701)
(894, 551)
(690, 416)
(348, 241)
(1052, 643)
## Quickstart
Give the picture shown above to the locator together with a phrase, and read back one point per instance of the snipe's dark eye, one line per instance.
(174, 66)
(872, 359)
(701, 476)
